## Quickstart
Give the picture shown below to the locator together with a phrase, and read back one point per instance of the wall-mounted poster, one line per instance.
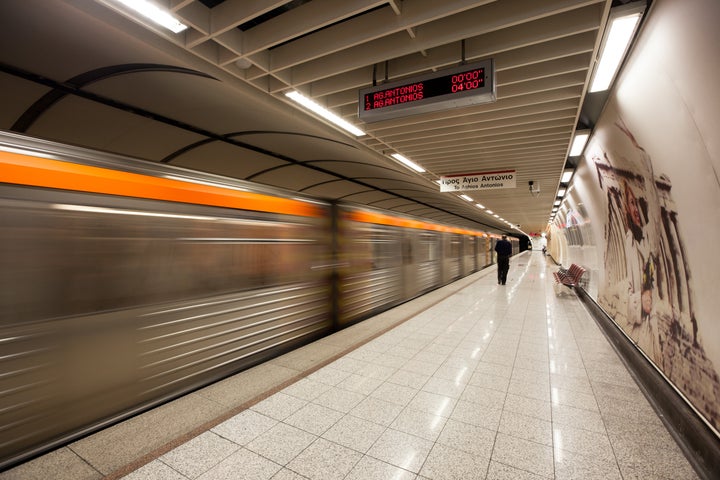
(649, 184)
(646, 284)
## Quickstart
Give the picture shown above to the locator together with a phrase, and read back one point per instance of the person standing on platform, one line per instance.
(503, 248)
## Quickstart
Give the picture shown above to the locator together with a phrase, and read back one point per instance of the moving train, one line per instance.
(126, 283)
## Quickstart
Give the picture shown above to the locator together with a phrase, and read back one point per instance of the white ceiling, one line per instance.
(80, 72)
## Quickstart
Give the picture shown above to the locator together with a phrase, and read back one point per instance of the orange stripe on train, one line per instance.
(41, 172)
(382, 219)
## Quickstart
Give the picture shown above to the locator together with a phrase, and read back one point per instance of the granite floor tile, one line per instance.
(199, 454)
(244, 427)
(409, 379)
(353, 432)
(419, 423)
(325, 460)
(539, 366)
(500, 471)
(401, 449)
(577, 418)
(526, 375)
(359, 384)
(504, 371)
(433, 403)
(484, 397)
(377, 411)
(391, 360)
(573, 465)
(575, 384)
(574, 399)
(493, 382)
(585, 442)
(538, 391)
(393, 393)
(468, 412)
(281, 443)
(369, 468)
(348, 364)
(444, 387)
(445, 463)
(242, 465)
(462, 359)
(528, 428)
(314, 418)
(287, 474)
(279, 406)
(455, 374)
(472, 439)
(376, 370)
(418, 366)
(405, 352)
(524, 455)
(339, 399)
(330, 376)
(306, 389)
(528, 406)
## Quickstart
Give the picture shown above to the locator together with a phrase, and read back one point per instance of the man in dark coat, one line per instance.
(504, 250)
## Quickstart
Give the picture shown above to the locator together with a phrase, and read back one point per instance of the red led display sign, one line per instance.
(460, 86)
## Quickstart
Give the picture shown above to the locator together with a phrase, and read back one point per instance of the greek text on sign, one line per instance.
(478, 181)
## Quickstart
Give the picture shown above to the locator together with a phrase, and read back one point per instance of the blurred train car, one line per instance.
(126, 283)
(387, 259)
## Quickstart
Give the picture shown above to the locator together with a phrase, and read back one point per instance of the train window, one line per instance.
(455, 245)
(86, 261)
(386, 243)
(428, 247)
(372, 247)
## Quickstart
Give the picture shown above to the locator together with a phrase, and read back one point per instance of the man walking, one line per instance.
(503, 248)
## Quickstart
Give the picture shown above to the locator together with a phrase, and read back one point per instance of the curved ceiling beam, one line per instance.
(66, 89)
(192, 146)
(43, 104)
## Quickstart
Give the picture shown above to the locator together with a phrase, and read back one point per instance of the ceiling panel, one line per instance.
(212, 97)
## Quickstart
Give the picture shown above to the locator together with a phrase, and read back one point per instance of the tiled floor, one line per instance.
(494, 382)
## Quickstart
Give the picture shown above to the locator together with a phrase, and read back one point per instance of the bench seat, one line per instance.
(570, 277)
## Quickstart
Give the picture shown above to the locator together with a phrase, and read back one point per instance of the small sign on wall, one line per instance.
(478, 181)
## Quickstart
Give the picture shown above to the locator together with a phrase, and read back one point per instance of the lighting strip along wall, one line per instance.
(41, 172)
(382, 219)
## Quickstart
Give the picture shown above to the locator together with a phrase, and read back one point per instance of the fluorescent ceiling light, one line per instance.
(566, 176)
(561, 192)
(557, 202)
(578, 145)
(407, 162)
(465, 197)
(496, 215)
(480, 205)
(489, 211)
(619, 34)
(324, 112)
(155, 14)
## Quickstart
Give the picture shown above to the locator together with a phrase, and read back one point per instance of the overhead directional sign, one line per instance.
(478, 181)
(468, 84)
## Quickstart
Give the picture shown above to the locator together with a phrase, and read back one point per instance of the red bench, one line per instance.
(570, 277)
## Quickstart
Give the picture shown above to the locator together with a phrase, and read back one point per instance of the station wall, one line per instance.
(642, 211)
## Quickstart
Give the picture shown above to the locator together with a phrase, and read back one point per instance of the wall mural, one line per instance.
(646, 284)
(641, 213)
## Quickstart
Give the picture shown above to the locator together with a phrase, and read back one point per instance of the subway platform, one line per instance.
(473, 381)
